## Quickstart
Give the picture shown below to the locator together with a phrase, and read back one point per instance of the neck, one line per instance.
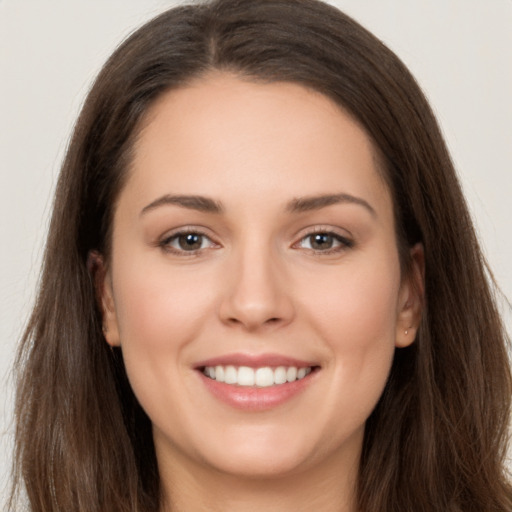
(190, 487)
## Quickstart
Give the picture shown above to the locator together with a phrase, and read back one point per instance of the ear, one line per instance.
(104, 296)
(411, 299)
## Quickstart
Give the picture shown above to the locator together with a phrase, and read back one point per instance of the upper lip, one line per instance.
(254, 361)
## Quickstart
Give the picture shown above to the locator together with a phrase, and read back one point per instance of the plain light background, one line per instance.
(459, 50)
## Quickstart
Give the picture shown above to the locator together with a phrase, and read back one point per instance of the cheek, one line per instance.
(358, 307)
(158, 305)
(159, 312)
(356, 314)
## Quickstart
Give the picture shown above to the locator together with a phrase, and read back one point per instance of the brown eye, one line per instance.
(186, 242)
(321, 241)
(190, 241)
(325, 242)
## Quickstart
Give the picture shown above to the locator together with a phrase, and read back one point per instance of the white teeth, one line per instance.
(219, 373)
(245, 376)
(230, 375)
(291, 374)
(260, 377)
(264, 377)
(280, 375)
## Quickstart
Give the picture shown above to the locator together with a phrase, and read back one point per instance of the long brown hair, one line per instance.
(437, 438)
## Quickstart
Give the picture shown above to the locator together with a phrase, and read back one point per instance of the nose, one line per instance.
(257, 293)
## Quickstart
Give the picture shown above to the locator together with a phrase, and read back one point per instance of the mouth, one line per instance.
(256, 383)
(260, 377)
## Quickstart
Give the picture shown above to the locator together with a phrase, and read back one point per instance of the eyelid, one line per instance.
(164, 241)
(346, 240)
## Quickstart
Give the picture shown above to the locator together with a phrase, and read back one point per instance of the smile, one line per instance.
(262, 377)
(256, 382)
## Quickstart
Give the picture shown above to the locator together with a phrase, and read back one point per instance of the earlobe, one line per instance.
(411, 299)
(104, 297)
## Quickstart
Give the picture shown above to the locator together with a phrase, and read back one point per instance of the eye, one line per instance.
(326, 242)
(186, 242)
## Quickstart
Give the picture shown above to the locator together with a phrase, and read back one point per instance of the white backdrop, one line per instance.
(50, 50)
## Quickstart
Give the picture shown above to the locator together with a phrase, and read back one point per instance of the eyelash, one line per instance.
(344, 242)
(165, 243)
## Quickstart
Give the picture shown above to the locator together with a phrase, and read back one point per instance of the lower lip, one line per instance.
(250, 398)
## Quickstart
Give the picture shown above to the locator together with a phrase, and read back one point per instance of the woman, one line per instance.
(262, 287)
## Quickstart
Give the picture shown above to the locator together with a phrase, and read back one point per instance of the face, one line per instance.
(254, 285)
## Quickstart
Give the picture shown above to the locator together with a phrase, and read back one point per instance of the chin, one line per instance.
(258, 466)
(261, 453)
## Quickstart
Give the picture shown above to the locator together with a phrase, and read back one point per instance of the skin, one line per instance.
(257, 286)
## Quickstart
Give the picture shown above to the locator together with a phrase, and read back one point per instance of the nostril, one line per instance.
(254, 324)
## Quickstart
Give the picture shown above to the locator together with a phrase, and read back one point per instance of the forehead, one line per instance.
(225, 136)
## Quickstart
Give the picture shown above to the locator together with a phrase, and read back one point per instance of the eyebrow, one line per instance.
(296, 205)
(304, 204)
(200, 203)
